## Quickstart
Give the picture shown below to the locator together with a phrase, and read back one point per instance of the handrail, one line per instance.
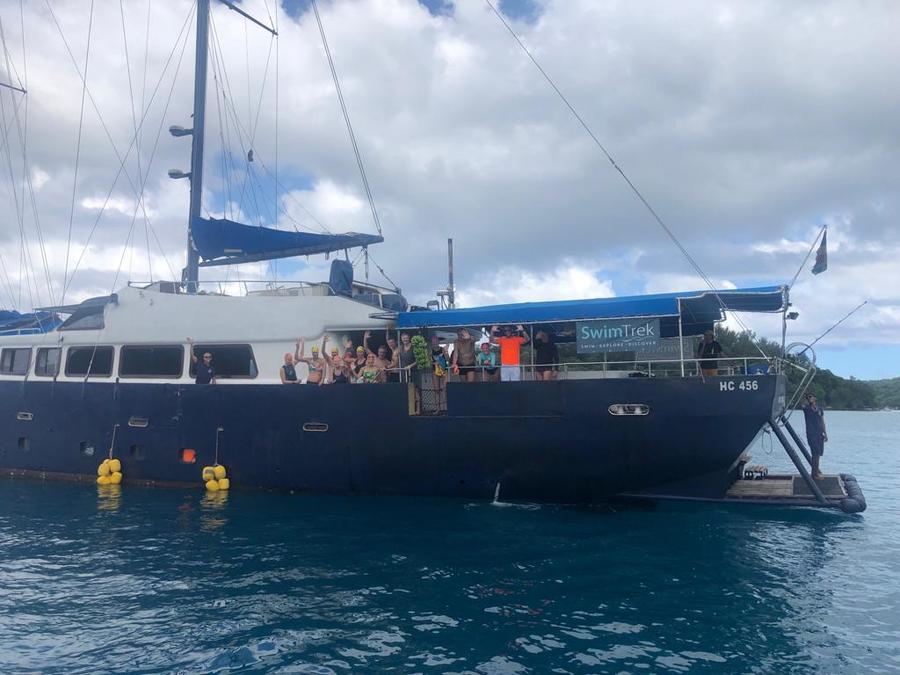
(141, 284)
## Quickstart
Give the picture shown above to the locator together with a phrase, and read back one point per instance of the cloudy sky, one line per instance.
(747, 125)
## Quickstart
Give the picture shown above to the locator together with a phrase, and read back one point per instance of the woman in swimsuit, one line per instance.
(359, 363)
(371, 373)
(340, 372)
(317, 365)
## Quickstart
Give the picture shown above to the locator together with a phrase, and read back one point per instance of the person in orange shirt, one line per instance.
(509, 351)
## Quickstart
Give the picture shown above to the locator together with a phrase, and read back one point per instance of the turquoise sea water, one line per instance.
(171, 581)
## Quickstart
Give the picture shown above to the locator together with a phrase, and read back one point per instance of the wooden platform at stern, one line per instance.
(785, 488)
(841, 491)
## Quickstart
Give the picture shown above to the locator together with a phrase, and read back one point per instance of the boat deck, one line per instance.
(841, 491)
(785, 487)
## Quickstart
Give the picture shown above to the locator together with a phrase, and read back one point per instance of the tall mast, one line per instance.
(191, 270)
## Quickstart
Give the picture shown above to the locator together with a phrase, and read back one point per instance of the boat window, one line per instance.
(92, 361)
(15, 361)
(229, 361)
(46, 364)
(151, 361)
(88, 318)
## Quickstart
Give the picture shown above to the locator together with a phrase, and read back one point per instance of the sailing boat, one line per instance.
(117, 379)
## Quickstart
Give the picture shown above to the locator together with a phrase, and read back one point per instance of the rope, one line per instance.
(809, 253)
(847, 316)
(340, 95)
(622, 173)
(87, 53)
(383, 273)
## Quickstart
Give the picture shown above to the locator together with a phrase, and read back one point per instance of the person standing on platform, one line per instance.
(710, 349)
(816, 434)
(509, 351)
(204, 371)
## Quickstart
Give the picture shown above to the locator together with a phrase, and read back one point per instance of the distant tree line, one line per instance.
(833, 391)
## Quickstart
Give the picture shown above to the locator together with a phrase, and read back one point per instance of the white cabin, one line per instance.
(140, 334)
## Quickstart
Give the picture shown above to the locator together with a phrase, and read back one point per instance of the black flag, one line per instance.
(821, 255)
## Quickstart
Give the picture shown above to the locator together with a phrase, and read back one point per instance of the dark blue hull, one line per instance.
(541, 441)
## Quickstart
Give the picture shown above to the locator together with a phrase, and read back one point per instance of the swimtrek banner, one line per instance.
(617, 335)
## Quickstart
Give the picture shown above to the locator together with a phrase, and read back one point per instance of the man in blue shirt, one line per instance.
(816, 435)
(205, 373)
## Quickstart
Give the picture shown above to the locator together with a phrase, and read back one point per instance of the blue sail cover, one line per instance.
(14, 323)
(699, 309)
(225, 242)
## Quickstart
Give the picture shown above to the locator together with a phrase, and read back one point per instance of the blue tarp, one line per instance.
(699, 309)
(225, 242)
(14, 323)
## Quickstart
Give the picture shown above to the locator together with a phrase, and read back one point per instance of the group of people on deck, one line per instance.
(493, 360)
(360, 365)
(497, 359)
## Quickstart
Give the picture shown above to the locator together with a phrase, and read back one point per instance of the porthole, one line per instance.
(138, 422)
(24, 416)
(86, 449)
(315, 426)
(623, 409)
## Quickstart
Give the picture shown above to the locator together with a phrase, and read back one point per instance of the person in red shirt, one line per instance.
(509, 343)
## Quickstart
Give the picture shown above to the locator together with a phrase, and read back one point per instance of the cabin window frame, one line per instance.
(37, 361)
(200, 347)
(123, 350)
(95, 348)
(12, 372)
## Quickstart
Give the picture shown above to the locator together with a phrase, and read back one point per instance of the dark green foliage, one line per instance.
(833, 391)
(887, 392)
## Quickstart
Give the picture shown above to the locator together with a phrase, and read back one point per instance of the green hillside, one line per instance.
(887, 392)
(833, 391)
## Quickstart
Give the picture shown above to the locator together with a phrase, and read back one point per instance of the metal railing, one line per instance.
(251, 286)
(726, 366)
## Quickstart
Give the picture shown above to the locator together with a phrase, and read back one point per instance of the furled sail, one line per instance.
(225, 242)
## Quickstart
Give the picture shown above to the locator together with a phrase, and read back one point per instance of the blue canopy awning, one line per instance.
(699, 309)
(225, 242)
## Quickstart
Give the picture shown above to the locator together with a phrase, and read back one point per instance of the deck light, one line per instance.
(177, 131)
(178, 173)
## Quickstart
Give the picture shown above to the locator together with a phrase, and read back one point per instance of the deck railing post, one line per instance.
(680, 339)
(796, 460)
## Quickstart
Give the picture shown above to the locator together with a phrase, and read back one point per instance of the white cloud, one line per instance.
(509, 284)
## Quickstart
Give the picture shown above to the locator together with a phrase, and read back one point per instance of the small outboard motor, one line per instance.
(341, 280)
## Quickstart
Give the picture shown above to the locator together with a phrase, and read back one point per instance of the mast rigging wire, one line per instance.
(22, 133)
(232, 118)
(99, 114)
(87, 54)
(847, 316)
(620, 171)
(182, 37)
(340, 95)
(806, 259)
